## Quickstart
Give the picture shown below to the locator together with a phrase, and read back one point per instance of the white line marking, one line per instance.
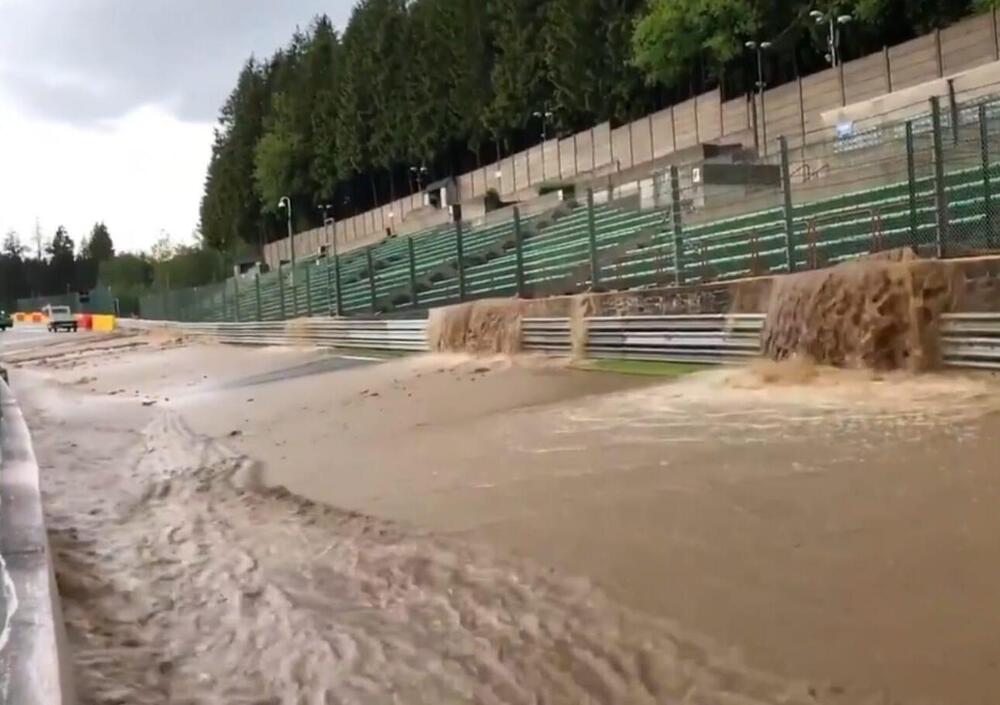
(361, 358)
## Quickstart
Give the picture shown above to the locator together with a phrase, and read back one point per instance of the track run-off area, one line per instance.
(250, 525)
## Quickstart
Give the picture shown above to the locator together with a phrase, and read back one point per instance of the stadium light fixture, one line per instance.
(833, 22)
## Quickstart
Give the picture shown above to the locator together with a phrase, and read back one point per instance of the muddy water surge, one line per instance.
(189, 582)
(878, 314)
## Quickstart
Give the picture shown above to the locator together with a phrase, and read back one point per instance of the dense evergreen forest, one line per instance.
(51, 265)
(415, 90)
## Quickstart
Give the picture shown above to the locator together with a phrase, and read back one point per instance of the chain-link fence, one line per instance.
(925, 179)
(98, 300)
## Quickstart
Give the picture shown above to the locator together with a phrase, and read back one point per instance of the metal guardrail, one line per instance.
(971, 340)
(709, 339)
(401, 335)
(968, 339)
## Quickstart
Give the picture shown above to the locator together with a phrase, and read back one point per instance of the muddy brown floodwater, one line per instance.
(498, 531)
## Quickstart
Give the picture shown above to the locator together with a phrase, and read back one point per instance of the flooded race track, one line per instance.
(446, 529)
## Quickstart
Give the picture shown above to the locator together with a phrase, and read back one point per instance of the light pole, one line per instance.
(286, 203)
(327, 221)
(545, 116)
(339, 306)
(760, 48)
(419, 172)
(833, 23)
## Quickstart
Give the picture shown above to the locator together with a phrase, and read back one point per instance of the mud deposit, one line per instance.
(875, 313)
(787, 533)
(185, 582)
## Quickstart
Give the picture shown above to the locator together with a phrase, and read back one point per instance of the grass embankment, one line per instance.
(645, 368)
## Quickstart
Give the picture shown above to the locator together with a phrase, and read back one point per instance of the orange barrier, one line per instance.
(104, 323)
(85, 321)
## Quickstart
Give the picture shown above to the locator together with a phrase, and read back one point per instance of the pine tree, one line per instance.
(520, 85)
(98, 246)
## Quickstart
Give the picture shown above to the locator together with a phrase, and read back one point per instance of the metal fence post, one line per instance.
(953, 105)
(411, 251)
(330, 301)
(236, 298)
(678, 225)
(519, 253)
(460, 254)
(309, 298)
(281, 290)
(371, 278)
(786, 185)
(940, 198)
(595, 271)
(336, 284)
(260, 309)
(984, 149)
(911, 178)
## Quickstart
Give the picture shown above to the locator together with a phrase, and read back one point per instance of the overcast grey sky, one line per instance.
(107, 106)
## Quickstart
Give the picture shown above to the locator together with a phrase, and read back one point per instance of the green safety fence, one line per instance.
(929, 183)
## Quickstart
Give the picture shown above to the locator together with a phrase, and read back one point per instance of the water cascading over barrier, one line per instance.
(875, 313)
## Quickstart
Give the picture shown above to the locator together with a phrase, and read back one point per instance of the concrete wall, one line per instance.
(974, 284)
(794, 109)
(663, 132)
(621, 148)
(602, 145)
(642, 140)
(685, 124)
(709, 116)
(36, 666)
(567, 158)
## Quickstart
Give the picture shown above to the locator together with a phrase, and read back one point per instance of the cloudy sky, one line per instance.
(107, 106)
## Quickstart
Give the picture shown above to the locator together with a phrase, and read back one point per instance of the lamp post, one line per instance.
(833, 22)
(545, 116)
(327, 221)
(330, 228)
(419, 172)
(286, 203)
(760, 48)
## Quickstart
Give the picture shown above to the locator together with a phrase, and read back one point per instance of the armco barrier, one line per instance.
(34, 666)
(972, 340)
(968, 339)
(400, 335)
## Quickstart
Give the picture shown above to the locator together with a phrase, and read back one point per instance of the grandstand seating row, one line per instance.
(634, 247)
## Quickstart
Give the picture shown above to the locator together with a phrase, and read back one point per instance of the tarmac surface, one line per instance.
(511, 529)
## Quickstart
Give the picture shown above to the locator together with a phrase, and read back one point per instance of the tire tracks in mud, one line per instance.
(186, 581)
